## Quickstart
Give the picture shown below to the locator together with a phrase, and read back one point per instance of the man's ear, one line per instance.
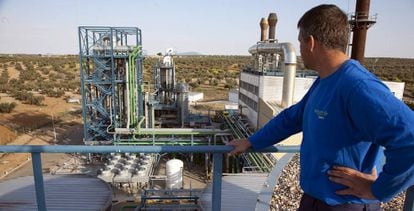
(311, 43)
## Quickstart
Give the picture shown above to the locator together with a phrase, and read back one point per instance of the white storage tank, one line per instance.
(174, 171)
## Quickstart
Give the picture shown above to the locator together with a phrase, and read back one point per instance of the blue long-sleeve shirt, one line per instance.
(346, 118)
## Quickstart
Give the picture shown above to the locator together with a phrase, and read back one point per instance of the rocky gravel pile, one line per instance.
(287, 193)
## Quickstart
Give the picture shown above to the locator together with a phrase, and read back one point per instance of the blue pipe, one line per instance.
(134, 149)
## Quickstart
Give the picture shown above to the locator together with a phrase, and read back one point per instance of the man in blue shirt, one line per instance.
(347, 117)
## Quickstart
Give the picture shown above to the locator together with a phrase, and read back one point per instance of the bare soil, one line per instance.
(7, 135)
(37, 125)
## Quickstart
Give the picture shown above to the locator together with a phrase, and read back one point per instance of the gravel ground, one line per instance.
(287, 193)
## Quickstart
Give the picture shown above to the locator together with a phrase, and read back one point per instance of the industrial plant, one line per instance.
(119, 108)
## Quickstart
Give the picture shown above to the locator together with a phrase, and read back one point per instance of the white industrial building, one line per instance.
(260, 95)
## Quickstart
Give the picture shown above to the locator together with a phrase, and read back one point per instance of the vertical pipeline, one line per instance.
(133, 85)
(138, 64)
(130, 90)
(113, 77)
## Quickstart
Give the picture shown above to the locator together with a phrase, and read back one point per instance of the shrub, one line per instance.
(213, 82)
(45, 70)
(35, 100)
(18, 67)
(28, 97)
(4, 77)
(7, 107)
(29, 75)
(53, 93)
(194, 85)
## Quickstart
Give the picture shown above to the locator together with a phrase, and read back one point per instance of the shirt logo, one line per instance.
(321, 114)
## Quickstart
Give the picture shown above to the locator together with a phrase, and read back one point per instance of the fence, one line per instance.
(217, 152)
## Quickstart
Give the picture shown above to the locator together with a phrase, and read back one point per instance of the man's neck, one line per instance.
(330, 61)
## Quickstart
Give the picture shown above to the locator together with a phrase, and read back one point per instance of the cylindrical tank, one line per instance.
(182, 101)
(174, 171)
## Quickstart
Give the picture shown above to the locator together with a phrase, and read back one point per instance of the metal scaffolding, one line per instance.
(111, 80)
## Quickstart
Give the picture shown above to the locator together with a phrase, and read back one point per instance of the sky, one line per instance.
(217, 27)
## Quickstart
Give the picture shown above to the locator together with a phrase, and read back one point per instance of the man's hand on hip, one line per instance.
(358, 183)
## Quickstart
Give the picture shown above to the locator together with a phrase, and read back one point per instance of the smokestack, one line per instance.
(359, 25)
(272, 20)
(263, 29)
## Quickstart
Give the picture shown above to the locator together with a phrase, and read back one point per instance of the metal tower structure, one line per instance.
(111, 81)
(164, 78)
(169, 99)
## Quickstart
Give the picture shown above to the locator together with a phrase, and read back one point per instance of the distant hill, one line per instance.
(190, 53)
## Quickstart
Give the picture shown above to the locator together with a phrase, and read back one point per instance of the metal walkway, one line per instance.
(239, 192)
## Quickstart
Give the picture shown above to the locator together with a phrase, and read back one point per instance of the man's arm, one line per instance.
(386, 121)
(287, 123)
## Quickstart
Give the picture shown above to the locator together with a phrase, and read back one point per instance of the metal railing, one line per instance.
(217, 152)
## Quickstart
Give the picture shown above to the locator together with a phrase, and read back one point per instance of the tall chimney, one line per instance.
(263, 29)
(272, 20)
(359, 25)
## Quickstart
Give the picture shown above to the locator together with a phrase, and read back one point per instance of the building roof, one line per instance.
(62, 192)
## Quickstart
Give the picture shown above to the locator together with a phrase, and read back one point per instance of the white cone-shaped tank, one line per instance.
(174, 171)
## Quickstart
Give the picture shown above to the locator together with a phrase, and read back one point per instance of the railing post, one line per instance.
(38, 180)
(217, 173)
(409, 199)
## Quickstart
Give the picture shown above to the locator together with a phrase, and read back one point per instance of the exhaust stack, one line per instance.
(267, 53)
(272, 20)
(263, 29)
(360, 22)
